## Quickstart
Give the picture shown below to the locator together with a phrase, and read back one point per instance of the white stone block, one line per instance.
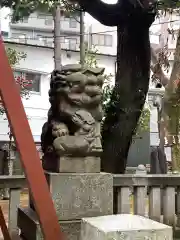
(124, 227)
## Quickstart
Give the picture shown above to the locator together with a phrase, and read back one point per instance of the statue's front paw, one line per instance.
(62, 132)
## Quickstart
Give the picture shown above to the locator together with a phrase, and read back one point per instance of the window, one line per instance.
(4, 34)
(72, 23)
(102, 40)
(41, 38)
(42, 16)
(95, 39)
(34, 77)
(71, 42)
(62, 39)
(22, 38)
(25, 19)
(49, 43)
(18, 35)
(48, 21)
(107, 40)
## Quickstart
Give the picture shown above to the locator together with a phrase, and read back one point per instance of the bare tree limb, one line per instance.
(157, 69)
(176, 65)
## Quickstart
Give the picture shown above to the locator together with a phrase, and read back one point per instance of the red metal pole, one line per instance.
(27, 149)
(3, 226)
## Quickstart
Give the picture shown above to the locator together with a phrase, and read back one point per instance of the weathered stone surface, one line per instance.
(30, 228)
(89, 164)
(74, 119)
(70, 164)
(124, 227)
(78, 195)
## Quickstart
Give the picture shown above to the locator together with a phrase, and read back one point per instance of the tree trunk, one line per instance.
(172, 108)
(133, 19)
(175, 157)
(170, 112)
(173, 130)
(128, 97)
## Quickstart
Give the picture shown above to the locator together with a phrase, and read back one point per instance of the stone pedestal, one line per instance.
(75, 196)
(89, 164)
(124, 227)
(69, 164)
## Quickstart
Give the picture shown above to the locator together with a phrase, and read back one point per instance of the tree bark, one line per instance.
(170, 111)
(133, 19)
(115, 14)
(106, 14)
(128, 98)
(172, 108)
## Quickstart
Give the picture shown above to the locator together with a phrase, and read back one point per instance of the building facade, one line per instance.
(37, 66)
(37, 29)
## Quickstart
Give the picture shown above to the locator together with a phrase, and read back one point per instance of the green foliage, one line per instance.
(92, 61)
(14, 57)
(107, 91)
(91, 56)
(144, 121)
(23, 8)
(168, 4)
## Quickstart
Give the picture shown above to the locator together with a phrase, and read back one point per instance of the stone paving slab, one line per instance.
(124, 227)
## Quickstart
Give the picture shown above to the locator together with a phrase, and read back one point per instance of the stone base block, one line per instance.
(124, 227)
(30, 228)
(69, 164)
(89, 164)
(78, 195)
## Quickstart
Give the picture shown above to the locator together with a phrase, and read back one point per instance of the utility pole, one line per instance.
(82, 38)
(57, 38)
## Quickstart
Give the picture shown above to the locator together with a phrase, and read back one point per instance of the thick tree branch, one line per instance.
(132, 80)
(176, 66)
(105, 13)
(118, 14)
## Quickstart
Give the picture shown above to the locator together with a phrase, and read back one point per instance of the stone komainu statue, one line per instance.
(73, 126)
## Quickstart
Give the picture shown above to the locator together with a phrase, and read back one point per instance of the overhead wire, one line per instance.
(47, 18)
(43, 37)
(88, 33)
